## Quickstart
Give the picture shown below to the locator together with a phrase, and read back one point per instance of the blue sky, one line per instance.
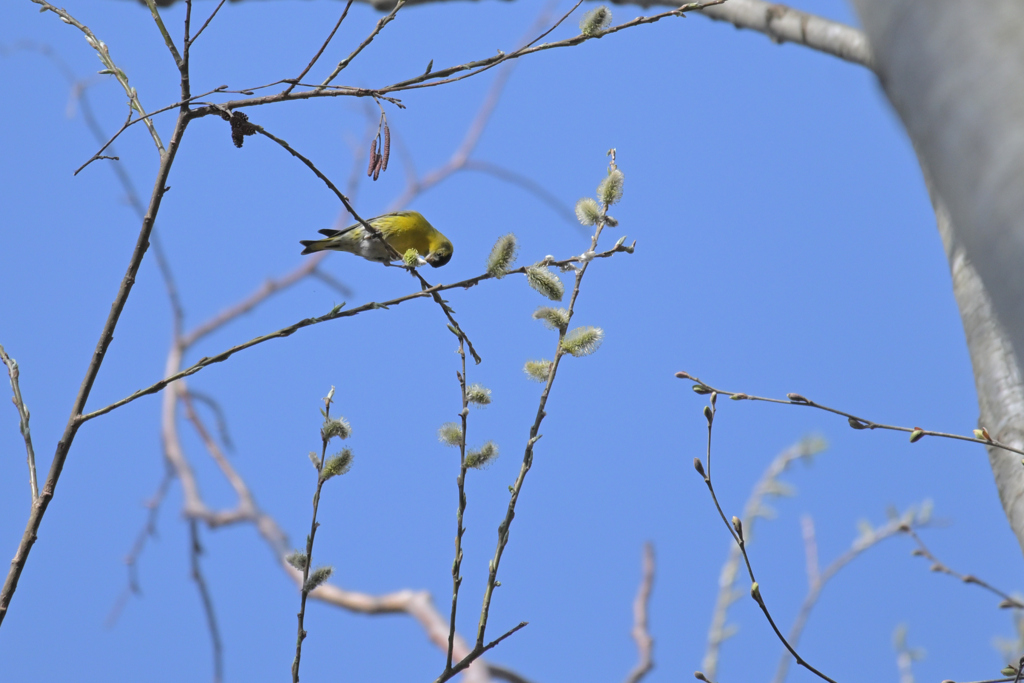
(784, 243)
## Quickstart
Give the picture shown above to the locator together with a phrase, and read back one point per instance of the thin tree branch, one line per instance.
(384, 21)
(206, 23)
(735, 529)
(334, 314)
(270, 287)
(322, 48)
(109, 67)
(937, 566)
(23, 416)
(768, 485)
(916, 433)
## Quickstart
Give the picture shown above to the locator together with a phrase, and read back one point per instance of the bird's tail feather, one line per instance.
(313, 245)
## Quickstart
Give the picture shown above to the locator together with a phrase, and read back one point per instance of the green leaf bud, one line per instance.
(545, 282)
(582, 341)
(755, 592)
(503, 255)
(317, 577)
(857, 424)
(339, 463)
(587, 211)
(610, 189)
(450, 434)
(916, 435)
(484, 456)
(553, 318)
(595, 21)
(701, 389)
(478, 394)
(537, 370)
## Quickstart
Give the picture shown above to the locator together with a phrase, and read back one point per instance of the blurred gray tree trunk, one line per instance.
(954, 72)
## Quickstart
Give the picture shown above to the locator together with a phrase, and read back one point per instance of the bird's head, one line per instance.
(440, 256)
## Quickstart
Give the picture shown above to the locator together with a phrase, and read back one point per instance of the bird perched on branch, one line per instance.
(403, 230)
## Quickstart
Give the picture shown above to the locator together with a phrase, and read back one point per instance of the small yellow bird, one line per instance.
(403, 230)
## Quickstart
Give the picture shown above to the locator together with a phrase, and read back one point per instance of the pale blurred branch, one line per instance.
(641, 633)
(132, 558)
(869, 538)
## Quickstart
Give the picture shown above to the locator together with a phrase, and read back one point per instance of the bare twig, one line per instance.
(641, 634)
(168, 41)
(384, 21)
(323, 47)
(109, 67)
(206, 23)
(916, 433)
(735, 529)
(477, 651)
(937, 566)
(23, 415)
(768, 485)
(506, 674)
(269, 288)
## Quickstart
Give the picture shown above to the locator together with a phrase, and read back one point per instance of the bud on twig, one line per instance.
(699, 466)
